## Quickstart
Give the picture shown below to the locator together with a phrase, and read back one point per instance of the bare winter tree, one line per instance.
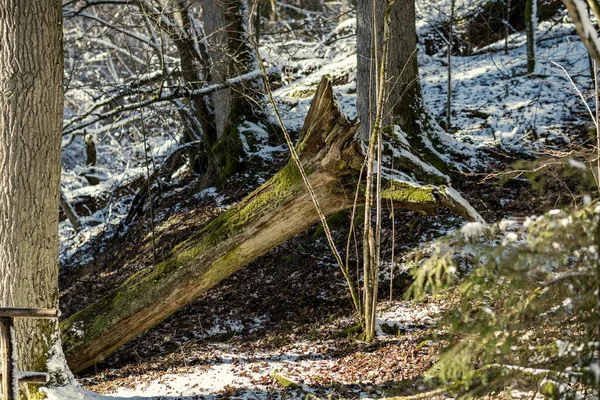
(176, 50)
(31, 109)
(530, 26)
(230, 56)
(389, 92)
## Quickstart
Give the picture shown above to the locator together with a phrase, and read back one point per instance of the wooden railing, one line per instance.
(10, 376)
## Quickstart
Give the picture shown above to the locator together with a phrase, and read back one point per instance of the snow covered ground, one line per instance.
(496, 103)
(250, 374)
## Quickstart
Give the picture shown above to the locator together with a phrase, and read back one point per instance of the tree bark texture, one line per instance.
(31, 109)
(274, 212)
(224, 24)
(230, 56)
(403, 102)
(404, 89)
(199, 118)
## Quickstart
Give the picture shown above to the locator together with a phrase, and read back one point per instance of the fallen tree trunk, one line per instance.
(266, 218)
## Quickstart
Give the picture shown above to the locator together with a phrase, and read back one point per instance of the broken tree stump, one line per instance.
(276, 211)
(9, 375)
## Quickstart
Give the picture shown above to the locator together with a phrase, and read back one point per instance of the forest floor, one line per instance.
(283, 326)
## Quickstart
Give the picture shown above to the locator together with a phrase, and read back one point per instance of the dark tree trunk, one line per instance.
(195, 67)
(404, 89)
(214, 53)
(404, 104)
(230, 55)
(530, 22)
(197, 116)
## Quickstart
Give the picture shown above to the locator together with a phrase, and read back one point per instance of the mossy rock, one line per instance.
(285, 381)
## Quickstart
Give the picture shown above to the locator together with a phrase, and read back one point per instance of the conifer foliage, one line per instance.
(529, 303)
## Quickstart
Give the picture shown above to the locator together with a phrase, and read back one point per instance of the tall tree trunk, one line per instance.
(195, 68)
(404, 89)
(449, 83)
(372, 236)
(388, 69)
(197, 116)
(230, 55)
(404, 104)
(31, 108)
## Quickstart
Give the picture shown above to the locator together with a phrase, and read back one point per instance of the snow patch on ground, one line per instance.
(407, 316)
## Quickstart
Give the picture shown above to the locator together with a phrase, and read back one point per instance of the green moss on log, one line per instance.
(142, 287)
(404, 192)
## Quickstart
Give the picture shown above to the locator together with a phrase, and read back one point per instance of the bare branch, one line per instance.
(117, 29)
(178, 93)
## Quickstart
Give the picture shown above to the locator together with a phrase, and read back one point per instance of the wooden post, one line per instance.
(8, 349)
(9, 375)
(35, 313)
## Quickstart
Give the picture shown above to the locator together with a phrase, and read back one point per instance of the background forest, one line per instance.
(194, 264)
